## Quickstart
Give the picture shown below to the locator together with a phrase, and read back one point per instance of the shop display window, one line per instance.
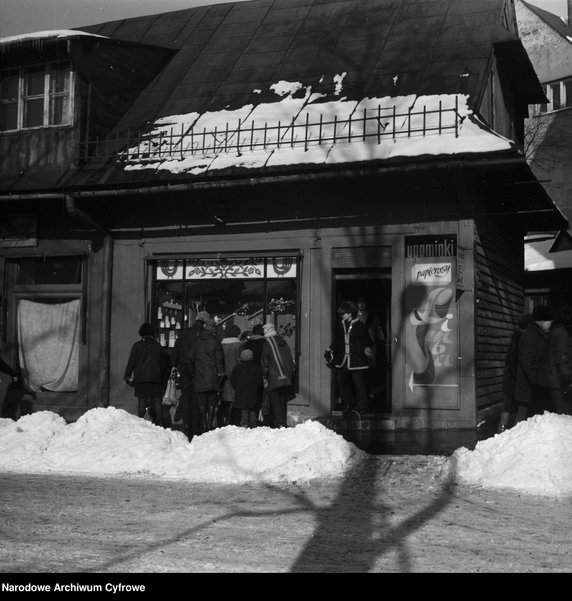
(240, 291)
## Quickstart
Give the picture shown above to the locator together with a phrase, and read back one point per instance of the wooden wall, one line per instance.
(499, 300)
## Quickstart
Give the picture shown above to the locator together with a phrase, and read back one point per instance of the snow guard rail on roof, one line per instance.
(302, 131)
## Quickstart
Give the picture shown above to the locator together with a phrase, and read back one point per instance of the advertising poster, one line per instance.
(431, 322)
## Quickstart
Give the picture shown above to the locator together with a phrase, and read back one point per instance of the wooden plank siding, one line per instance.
(39, 149)
(499, 300)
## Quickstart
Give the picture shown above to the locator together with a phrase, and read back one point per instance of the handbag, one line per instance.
(170, 397)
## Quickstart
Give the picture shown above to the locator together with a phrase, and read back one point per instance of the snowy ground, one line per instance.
(115, 494)
(533, 457)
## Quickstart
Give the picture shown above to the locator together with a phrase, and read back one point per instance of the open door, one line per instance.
(373, 287)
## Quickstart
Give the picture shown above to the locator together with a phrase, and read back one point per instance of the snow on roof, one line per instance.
(304, 127)
(43, 35)
(537, 256)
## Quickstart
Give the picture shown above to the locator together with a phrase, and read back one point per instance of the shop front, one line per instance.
(406, 276)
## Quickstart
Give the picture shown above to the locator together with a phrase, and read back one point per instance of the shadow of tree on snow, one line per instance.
(358, 526)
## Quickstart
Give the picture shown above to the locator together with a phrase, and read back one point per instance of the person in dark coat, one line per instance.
(14, 378)
(278, 370)
(559, 358)
(376, 375)
(255, 342)
(231, 347)
(181, 358)
(207, 364)
(246, 381)
(351, 354)
(6, 369)
(508, 409)
(147, 371)
(531, 383)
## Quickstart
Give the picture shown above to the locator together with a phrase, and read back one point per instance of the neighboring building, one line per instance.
(266, 160)
(548, 146)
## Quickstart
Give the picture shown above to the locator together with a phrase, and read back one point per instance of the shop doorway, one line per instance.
(373, 287)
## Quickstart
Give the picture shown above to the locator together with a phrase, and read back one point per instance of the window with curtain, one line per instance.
(48, 343)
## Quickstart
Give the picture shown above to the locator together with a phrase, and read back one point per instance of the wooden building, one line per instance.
(548, 148)
(265, 160)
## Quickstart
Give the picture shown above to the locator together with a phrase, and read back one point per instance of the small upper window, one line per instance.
(38, 96)
(559, 94)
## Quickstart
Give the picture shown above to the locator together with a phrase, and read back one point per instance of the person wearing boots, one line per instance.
(207, 365)
(181, 360)
(246, 381)
(278, 369)
(147, 371)
(351, 356)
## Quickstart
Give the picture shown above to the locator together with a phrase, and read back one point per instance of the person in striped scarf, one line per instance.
(278, 369)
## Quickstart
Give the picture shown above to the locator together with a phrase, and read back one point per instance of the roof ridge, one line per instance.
(554, 21)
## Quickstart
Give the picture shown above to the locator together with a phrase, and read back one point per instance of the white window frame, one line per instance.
(48, 96)
(549, 89)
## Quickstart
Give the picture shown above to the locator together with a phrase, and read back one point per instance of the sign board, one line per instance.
(431, 322)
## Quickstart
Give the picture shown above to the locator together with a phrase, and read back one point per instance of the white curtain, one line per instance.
(48, 342)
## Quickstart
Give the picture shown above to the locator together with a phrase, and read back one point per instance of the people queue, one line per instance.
(225, 378)
(233, 378)
(538, 367)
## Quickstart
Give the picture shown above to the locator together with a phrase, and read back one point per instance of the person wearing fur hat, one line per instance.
(181, 361)
(231, 347)
(351, 353)
(246, 381)
(278, 369)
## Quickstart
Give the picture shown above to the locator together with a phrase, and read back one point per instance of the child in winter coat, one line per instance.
(246, 381)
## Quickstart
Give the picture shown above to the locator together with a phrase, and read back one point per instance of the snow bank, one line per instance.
(534, 457)
(112, 442)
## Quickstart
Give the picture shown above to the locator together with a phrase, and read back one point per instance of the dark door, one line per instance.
(374, 288)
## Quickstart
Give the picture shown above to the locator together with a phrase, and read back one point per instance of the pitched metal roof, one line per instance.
(228, 53)
(554, 21)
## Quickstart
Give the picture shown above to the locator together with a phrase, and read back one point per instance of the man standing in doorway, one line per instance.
(352, 352)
